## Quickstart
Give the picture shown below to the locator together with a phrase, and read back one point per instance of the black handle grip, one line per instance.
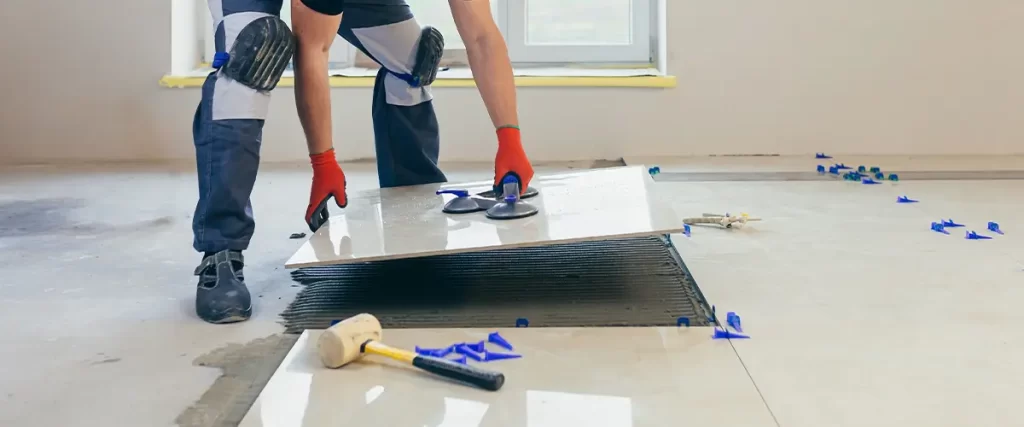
(488, 380)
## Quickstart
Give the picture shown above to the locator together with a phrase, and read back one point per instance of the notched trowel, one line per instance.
(511, 206)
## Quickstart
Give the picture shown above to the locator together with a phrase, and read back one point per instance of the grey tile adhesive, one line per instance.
(625, 282)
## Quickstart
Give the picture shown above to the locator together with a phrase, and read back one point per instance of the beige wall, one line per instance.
(785, 76)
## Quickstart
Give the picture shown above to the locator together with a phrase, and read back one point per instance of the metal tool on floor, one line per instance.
(350, 339)
(726, 220)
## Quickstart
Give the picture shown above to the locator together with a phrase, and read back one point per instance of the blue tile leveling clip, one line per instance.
(994, 227)
(950, 223)
(733, 320)
(496, 339)
(975, 236)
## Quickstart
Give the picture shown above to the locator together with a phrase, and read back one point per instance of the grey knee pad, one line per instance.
(260, 54)
(428, 59)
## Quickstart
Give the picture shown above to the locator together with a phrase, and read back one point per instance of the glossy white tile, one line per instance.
(860, 315)
(615, 377)
(807, 163)
(407, 222)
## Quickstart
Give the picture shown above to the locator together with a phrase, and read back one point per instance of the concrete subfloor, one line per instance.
(97, 291)
(859, 314)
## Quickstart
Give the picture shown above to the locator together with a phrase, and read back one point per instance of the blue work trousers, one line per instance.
(228, 124)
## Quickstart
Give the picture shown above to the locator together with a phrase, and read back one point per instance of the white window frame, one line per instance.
(638, 51)
(511, 18)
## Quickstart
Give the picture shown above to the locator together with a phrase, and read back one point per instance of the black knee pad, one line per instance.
(260, 54)
(428, 59)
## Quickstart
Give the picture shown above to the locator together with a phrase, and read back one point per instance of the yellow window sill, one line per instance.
(567, 81)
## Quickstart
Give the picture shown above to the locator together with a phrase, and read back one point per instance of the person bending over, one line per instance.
(254, 47)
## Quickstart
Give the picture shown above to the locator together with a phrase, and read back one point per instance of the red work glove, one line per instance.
(328, 181)
(511, 159)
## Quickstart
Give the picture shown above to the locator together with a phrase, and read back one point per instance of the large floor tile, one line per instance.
(615, 377)
(740, 164)
(859, 313)
(408, 222)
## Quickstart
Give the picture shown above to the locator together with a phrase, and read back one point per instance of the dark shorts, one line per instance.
(335, 7)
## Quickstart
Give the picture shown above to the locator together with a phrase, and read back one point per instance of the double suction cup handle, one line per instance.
(456, 193)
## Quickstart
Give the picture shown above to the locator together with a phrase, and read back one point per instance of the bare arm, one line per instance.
(315, 33)
(488, 58)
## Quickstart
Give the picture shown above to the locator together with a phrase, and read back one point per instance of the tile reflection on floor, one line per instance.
(616, 377)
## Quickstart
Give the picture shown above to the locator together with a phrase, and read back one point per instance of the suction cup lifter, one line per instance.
(511, 207)
(456, 193)
(507, 205)
(462, 203)
(510, 188)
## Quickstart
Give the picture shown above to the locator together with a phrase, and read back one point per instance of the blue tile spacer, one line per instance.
(683, 321)
(975, 236)
(821, 156)
(726, 334)
(733, 320)
(522, 322)
(951, 223)
(496, 339)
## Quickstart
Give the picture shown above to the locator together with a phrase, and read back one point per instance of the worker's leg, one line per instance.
(254, 46)
(404, 124)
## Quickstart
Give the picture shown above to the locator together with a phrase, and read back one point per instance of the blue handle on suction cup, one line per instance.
(457, 193)
(510, 188)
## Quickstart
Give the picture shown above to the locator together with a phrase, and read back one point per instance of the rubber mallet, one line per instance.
(351, 338)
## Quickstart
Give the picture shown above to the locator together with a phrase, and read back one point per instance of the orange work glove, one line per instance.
(328, 181)
(511, 159)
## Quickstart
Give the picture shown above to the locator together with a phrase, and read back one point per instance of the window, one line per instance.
(538, 32)
(574, 31)
(559, 31)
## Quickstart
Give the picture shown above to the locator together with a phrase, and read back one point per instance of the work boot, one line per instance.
(221, 296)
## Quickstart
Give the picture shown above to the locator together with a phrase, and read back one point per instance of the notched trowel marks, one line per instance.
(19, 218)
(246, 368)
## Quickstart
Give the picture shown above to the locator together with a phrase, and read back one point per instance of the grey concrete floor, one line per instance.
(97, 289)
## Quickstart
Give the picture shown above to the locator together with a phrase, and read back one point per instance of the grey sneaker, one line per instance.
(221, 296)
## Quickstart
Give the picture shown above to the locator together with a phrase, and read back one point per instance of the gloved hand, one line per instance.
(511, 158)
(328, 181)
